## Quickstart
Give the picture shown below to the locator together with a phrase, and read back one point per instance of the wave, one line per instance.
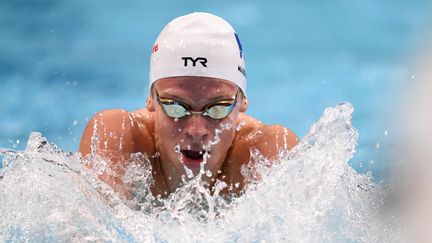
(310, 194)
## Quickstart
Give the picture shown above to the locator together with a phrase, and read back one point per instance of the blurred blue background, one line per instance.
(62, 61)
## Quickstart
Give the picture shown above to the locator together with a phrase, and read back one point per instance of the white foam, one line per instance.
(309, 195)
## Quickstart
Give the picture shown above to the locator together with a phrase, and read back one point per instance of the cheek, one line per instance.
(167, 128)
(226, 136)
(228, 130)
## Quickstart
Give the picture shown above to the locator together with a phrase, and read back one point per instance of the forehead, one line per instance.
(198, 87)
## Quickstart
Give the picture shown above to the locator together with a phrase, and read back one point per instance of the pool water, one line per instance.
(310, 194)
(62, 61)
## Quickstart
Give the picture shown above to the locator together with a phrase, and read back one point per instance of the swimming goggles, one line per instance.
(216, 111)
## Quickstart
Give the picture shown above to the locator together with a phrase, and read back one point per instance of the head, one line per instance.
(185, 141)
(197, 62)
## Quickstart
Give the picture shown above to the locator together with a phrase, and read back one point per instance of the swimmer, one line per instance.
(194, 112)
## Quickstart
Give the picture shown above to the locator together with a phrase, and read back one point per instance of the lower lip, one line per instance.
(194, 163)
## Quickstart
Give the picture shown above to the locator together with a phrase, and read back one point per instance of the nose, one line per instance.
(197, 129)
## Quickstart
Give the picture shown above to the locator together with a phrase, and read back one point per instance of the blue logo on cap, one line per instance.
(239, 45)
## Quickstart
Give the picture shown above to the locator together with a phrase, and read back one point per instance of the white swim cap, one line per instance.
(198, 44)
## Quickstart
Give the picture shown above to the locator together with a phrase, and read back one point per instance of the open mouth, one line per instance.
(196, 156)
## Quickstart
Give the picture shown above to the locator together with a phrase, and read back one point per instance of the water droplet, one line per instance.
(177, 148)
(189, 173)
(385, 133)
(208, 173)
(176, 119)
(157, 154)
(377, 145)
(240, 126)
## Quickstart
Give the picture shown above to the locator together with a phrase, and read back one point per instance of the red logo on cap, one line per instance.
(155, 48)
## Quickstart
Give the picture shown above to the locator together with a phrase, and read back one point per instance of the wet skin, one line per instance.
(173, 144)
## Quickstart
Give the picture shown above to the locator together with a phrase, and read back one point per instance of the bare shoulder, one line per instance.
(143, 118)
(275, 138)
(117, 133)
(268, 139)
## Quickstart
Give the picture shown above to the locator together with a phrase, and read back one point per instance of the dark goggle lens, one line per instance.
(174, 110)
(219, 111)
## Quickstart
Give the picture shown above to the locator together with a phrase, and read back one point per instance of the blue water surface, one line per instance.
(62, 61)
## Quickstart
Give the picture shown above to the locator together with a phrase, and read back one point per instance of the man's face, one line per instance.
(186, 141)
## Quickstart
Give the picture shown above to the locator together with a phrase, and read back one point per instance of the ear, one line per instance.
(150, 103)
(244, 104)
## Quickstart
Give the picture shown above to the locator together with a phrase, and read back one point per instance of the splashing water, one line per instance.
(310, 194)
